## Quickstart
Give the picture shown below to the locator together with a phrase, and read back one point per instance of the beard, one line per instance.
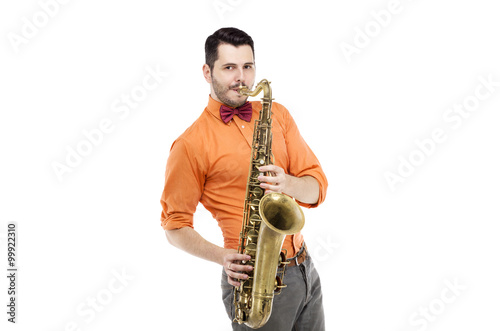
(221, 93)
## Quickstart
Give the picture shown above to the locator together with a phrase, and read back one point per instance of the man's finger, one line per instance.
(234, 277)
(268, 179)
(232, 281)
(237, 257)
(240, 267)
(270, 167)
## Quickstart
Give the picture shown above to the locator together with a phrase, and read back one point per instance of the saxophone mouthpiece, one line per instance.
(242, 88)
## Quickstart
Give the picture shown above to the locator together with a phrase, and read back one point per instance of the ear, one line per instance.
(206, 73)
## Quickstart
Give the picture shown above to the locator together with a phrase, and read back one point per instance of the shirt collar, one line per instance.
(213, 107)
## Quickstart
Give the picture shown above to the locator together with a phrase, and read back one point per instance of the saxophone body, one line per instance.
(267, 219)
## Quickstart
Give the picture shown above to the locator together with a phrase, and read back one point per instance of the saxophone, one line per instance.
(267, 219)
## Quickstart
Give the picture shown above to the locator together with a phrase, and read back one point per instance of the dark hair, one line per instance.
(230, 36)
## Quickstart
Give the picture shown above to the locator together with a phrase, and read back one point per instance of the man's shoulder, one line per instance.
(193, 135)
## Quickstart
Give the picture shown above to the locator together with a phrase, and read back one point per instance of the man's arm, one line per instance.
(190, 241)
(305, 189)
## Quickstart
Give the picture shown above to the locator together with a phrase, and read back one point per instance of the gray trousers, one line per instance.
(299, 307)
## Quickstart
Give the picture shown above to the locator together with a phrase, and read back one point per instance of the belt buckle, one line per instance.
(302, 253)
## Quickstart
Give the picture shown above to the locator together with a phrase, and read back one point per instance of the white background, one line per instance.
(385, 256)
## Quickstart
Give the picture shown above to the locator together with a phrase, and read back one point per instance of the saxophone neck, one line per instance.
(267, 100)
(263, 85)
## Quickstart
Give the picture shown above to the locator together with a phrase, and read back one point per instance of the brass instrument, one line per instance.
(267, 219)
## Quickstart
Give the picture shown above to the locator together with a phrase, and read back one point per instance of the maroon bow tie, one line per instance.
(244, 112)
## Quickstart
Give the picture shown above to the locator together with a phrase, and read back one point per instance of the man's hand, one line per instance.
(304, 189)
(276, 182)
(190, 241)
(233, 267)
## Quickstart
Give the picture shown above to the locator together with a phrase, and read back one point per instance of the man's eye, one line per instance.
(229, 67)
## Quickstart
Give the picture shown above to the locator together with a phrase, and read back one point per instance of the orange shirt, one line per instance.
(209, 163)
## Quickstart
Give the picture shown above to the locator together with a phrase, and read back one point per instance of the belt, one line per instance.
(300, 257)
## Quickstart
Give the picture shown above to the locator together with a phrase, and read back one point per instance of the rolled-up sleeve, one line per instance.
(184, 181)
(303, 162)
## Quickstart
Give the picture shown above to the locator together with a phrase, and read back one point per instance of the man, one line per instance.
(209, 163)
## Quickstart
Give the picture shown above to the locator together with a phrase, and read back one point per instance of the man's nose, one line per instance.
(240, 77)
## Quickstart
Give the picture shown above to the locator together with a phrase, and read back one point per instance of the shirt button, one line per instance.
(243, 126)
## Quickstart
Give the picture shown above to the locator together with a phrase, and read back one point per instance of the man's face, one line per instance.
(234, 65)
